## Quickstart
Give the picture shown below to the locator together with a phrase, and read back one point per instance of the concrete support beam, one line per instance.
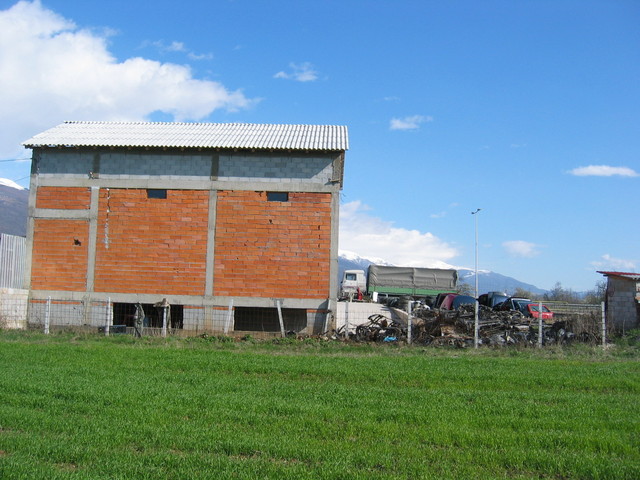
(68, 214)
(335, 226)
(211, 238)
(185, 183)
(196, 300)
(93, 238)
(33, 191)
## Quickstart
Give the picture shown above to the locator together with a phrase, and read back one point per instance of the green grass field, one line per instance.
(114, 408)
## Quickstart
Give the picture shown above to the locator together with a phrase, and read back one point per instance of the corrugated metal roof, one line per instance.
(193, 135)
(12, 260)
(629, 275)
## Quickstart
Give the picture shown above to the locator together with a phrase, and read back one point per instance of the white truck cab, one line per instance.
(352, 280)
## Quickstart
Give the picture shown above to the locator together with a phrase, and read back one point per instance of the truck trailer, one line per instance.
(386, 281)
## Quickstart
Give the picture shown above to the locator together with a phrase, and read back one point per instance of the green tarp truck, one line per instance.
(414, 281)
(385, 281)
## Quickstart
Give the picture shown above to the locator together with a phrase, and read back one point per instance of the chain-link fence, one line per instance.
(358, 321)
(106, 316)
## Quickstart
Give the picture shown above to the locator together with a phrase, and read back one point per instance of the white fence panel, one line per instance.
(12, 260)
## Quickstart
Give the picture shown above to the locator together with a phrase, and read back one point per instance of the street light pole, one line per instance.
(476, 327)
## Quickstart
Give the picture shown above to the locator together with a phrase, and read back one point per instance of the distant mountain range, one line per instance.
(487, 281)
(14, 207)
(494, 282)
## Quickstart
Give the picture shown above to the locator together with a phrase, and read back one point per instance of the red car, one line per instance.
(533, 309)
(447, 303)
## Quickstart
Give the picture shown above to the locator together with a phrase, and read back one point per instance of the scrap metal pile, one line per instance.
(456, 328)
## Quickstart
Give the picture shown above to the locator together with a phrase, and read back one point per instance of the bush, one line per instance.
(630, 339)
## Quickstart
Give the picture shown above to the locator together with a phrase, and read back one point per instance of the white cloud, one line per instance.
(51, 70)
(444, 213)
(409, 123)
(200, 56)
(619, 264)
(520, 248)
(370, 236)
(180, 47)
(172, 47)
(603, 171)
(303, 72)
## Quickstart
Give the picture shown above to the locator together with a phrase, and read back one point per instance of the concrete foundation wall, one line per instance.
(13, 307)
(357, 313)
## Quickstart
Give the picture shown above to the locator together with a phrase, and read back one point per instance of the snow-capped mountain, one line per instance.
(494, 282)
(14, 201)
(10, 183)
(487, 281)
(355, 261)
(352, 261)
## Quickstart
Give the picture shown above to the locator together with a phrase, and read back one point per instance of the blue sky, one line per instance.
(529, 110)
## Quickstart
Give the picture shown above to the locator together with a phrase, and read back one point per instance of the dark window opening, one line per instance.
(156, 193)
(278, 196)
(125, 314)
(256, 319)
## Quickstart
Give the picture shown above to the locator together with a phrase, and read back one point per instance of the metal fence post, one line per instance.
(164, 321)
(346, 320)
(409, 310)
(540, 325)
(46, 316)
(604, 326)
(108, 322)
(476, 321)
(280, 318)
(227, 323)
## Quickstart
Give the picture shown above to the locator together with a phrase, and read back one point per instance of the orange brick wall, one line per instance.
(154, 245)
(262, 249)
(272, 249)
(77, 198)
(59, 259)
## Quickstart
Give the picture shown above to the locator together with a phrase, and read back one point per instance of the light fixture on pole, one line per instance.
(476, 328)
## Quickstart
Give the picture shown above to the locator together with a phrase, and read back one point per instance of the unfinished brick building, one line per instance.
(623, 300)
(235, 225)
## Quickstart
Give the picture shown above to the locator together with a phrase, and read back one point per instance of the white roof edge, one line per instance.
(193, 135)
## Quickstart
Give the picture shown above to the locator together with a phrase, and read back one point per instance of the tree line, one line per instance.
(557, 294)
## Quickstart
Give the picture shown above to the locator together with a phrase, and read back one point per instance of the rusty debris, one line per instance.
(456, 328)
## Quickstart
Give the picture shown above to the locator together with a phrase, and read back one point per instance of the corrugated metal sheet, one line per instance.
(628, 275)
(194, 135)
(12, 260)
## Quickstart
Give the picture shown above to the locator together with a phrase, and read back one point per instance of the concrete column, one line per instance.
(93, 238)
(333, 270)
(211, 237)
(33, 192)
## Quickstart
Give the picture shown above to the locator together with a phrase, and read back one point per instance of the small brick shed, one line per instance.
(227, 222)
(623, 299)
